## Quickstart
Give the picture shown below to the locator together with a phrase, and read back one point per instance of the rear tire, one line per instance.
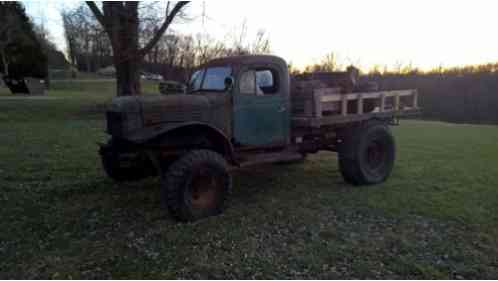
(196, 185)
(367, 154)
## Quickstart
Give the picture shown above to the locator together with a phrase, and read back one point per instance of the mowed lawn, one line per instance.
(61, 217)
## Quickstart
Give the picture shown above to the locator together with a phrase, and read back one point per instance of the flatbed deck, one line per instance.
(326, 107)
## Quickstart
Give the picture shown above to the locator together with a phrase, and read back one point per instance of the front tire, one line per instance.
(196, 185)
(134, 168)
(367, 154)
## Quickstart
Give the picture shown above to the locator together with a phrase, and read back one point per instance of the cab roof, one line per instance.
(246, 59)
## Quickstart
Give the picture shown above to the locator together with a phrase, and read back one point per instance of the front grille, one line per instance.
(114, 123)
(183, 116)
(159, 113)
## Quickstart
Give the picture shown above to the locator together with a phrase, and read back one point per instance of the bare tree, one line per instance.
(261, 44)
(70, 34)
(328, 63)
(88, 45)
(121, 23)
(8, 33)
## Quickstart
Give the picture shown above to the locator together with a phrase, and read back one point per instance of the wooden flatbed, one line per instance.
(328, 107)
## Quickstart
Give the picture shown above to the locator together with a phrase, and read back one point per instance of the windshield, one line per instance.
(210, 79)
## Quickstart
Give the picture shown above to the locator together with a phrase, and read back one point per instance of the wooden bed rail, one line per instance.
(325, 101)
(327, 106)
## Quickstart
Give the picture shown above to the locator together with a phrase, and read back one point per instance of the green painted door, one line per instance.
(261, 116)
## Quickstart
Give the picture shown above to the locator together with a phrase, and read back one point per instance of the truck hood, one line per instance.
(140, 117)
(156, 109)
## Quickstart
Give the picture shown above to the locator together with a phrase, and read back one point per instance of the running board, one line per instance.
(273, 157)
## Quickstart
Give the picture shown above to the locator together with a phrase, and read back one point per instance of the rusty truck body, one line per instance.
(242, 111)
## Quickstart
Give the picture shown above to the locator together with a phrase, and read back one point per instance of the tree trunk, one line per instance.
(127, 77)
(87, 63)
(156, 54)
(120, 21)
(126, 53)
(5, 63)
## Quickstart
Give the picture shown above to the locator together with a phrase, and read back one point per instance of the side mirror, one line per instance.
(229, 83)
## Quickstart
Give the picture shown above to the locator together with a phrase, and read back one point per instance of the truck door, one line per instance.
(260, 116)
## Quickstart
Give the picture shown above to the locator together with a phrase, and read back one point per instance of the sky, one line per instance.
(422, 33)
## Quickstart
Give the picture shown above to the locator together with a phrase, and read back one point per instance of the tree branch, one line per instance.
(169, 18)
(97, 13)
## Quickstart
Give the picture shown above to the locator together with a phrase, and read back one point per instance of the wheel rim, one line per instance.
(376, 154)
(205, 188)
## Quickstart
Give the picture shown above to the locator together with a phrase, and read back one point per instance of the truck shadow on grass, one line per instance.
(257, 183)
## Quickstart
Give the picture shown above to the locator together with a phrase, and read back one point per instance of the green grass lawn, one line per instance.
(61, 217)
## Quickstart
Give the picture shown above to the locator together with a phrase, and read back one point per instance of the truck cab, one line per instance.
(240, 111)
(253, 92)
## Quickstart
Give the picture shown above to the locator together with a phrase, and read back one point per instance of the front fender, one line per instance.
(150, 132)
(144, 135)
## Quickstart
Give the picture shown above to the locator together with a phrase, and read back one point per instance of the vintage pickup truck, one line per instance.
(247, 110)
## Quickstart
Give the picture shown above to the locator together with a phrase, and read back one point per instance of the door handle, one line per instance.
(282, 109)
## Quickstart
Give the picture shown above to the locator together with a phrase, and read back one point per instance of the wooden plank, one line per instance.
(330, 106)
(308, 108)
(341, 119)
(344, 106)
(360, 104)
(313, 102)
(382, 102)
(317, 100)
(354, 96)
(400, 93)
(415, 99)
(396, 102)
(328, 91)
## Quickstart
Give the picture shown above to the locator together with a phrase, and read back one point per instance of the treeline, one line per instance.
(462, 94)
(467, 94)
(174, 56)
(88, 47)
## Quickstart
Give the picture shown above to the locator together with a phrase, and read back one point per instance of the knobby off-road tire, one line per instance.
(134, 170)
(196, 185)
(367, 154)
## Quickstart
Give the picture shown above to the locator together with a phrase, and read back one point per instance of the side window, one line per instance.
(247, 83)
(195, 81)
(215, 78)
(266, 82)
